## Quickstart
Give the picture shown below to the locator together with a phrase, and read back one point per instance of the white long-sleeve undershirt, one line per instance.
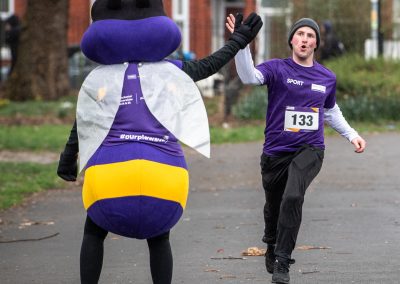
(335, 119)
(248, 74)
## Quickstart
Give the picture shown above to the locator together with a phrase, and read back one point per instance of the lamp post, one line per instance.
(380, 33)
(1, 48)
(376, 34)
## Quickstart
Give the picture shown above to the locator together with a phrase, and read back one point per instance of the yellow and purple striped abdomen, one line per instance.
(135, 190)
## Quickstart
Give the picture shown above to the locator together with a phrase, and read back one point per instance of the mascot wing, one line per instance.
(174, 99)
(98, 103)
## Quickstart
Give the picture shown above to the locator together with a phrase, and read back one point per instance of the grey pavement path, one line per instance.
(352, 209)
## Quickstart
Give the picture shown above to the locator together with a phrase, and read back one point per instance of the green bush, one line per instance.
(252, 105)
(359, 77)
(367, 90)
(371, 108)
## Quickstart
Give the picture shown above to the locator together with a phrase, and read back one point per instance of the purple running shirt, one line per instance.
(297, 96)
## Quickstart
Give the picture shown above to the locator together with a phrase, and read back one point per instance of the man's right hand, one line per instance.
(230, 23)
(244, 32)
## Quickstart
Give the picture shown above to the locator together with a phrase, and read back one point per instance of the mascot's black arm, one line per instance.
(243, 34)
(67, 166)
(203, 68)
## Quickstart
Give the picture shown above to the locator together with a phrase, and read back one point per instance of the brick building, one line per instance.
(202, 22)
(79, 16)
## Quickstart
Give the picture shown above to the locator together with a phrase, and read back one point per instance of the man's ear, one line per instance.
(114, 4)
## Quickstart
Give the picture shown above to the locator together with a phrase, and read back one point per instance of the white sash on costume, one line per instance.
(174, 99)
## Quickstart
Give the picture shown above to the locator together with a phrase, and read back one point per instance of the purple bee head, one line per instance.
(129, 31)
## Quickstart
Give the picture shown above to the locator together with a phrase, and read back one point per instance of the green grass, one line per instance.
(364, 128)
(249, 133)
(62, 108)
(53, 137)
(221, 135)
(18, 180)
(34, 137)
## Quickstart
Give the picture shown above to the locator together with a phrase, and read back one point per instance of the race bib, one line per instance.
(301, 119)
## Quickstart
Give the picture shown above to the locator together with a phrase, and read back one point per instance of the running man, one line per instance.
(301, 97)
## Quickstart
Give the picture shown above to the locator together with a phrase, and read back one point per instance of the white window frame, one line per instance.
(396, 19)
(91, 2)
(266, 13)
(218, 9)
(182, 19)
(5, 15)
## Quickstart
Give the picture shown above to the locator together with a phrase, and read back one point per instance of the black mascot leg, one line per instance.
(92, 251)
(161, 262)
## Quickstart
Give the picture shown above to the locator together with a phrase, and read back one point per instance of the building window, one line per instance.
(275, 3)
(396, 19)
(6, 8)
(276, 18)
(180, 14)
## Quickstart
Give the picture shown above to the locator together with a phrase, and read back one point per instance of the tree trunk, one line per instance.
(41, 69)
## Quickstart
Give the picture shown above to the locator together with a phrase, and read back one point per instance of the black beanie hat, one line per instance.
(304, 22)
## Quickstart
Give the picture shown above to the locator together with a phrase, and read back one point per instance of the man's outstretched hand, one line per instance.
(244, 32)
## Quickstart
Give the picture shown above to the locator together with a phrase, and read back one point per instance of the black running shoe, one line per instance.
(281, 273)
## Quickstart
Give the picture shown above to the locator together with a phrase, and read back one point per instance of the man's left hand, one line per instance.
(359, 143)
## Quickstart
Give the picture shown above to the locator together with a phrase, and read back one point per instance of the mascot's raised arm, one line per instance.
(132, 110)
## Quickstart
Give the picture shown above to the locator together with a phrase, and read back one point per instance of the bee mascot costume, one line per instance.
(131, 112)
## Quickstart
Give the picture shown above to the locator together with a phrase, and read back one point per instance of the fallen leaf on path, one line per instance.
(31, 223)
(211, 270)
(219, 227)
(311, 247)
(308, 272)
(228, 257)
(227, 276)
(254, 251)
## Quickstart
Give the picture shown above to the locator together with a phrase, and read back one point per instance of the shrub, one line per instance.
(252, 105)
(367, 90)
(371, 108)
(359, 77)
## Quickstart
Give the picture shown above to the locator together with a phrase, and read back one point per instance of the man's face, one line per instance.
(304, 42)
